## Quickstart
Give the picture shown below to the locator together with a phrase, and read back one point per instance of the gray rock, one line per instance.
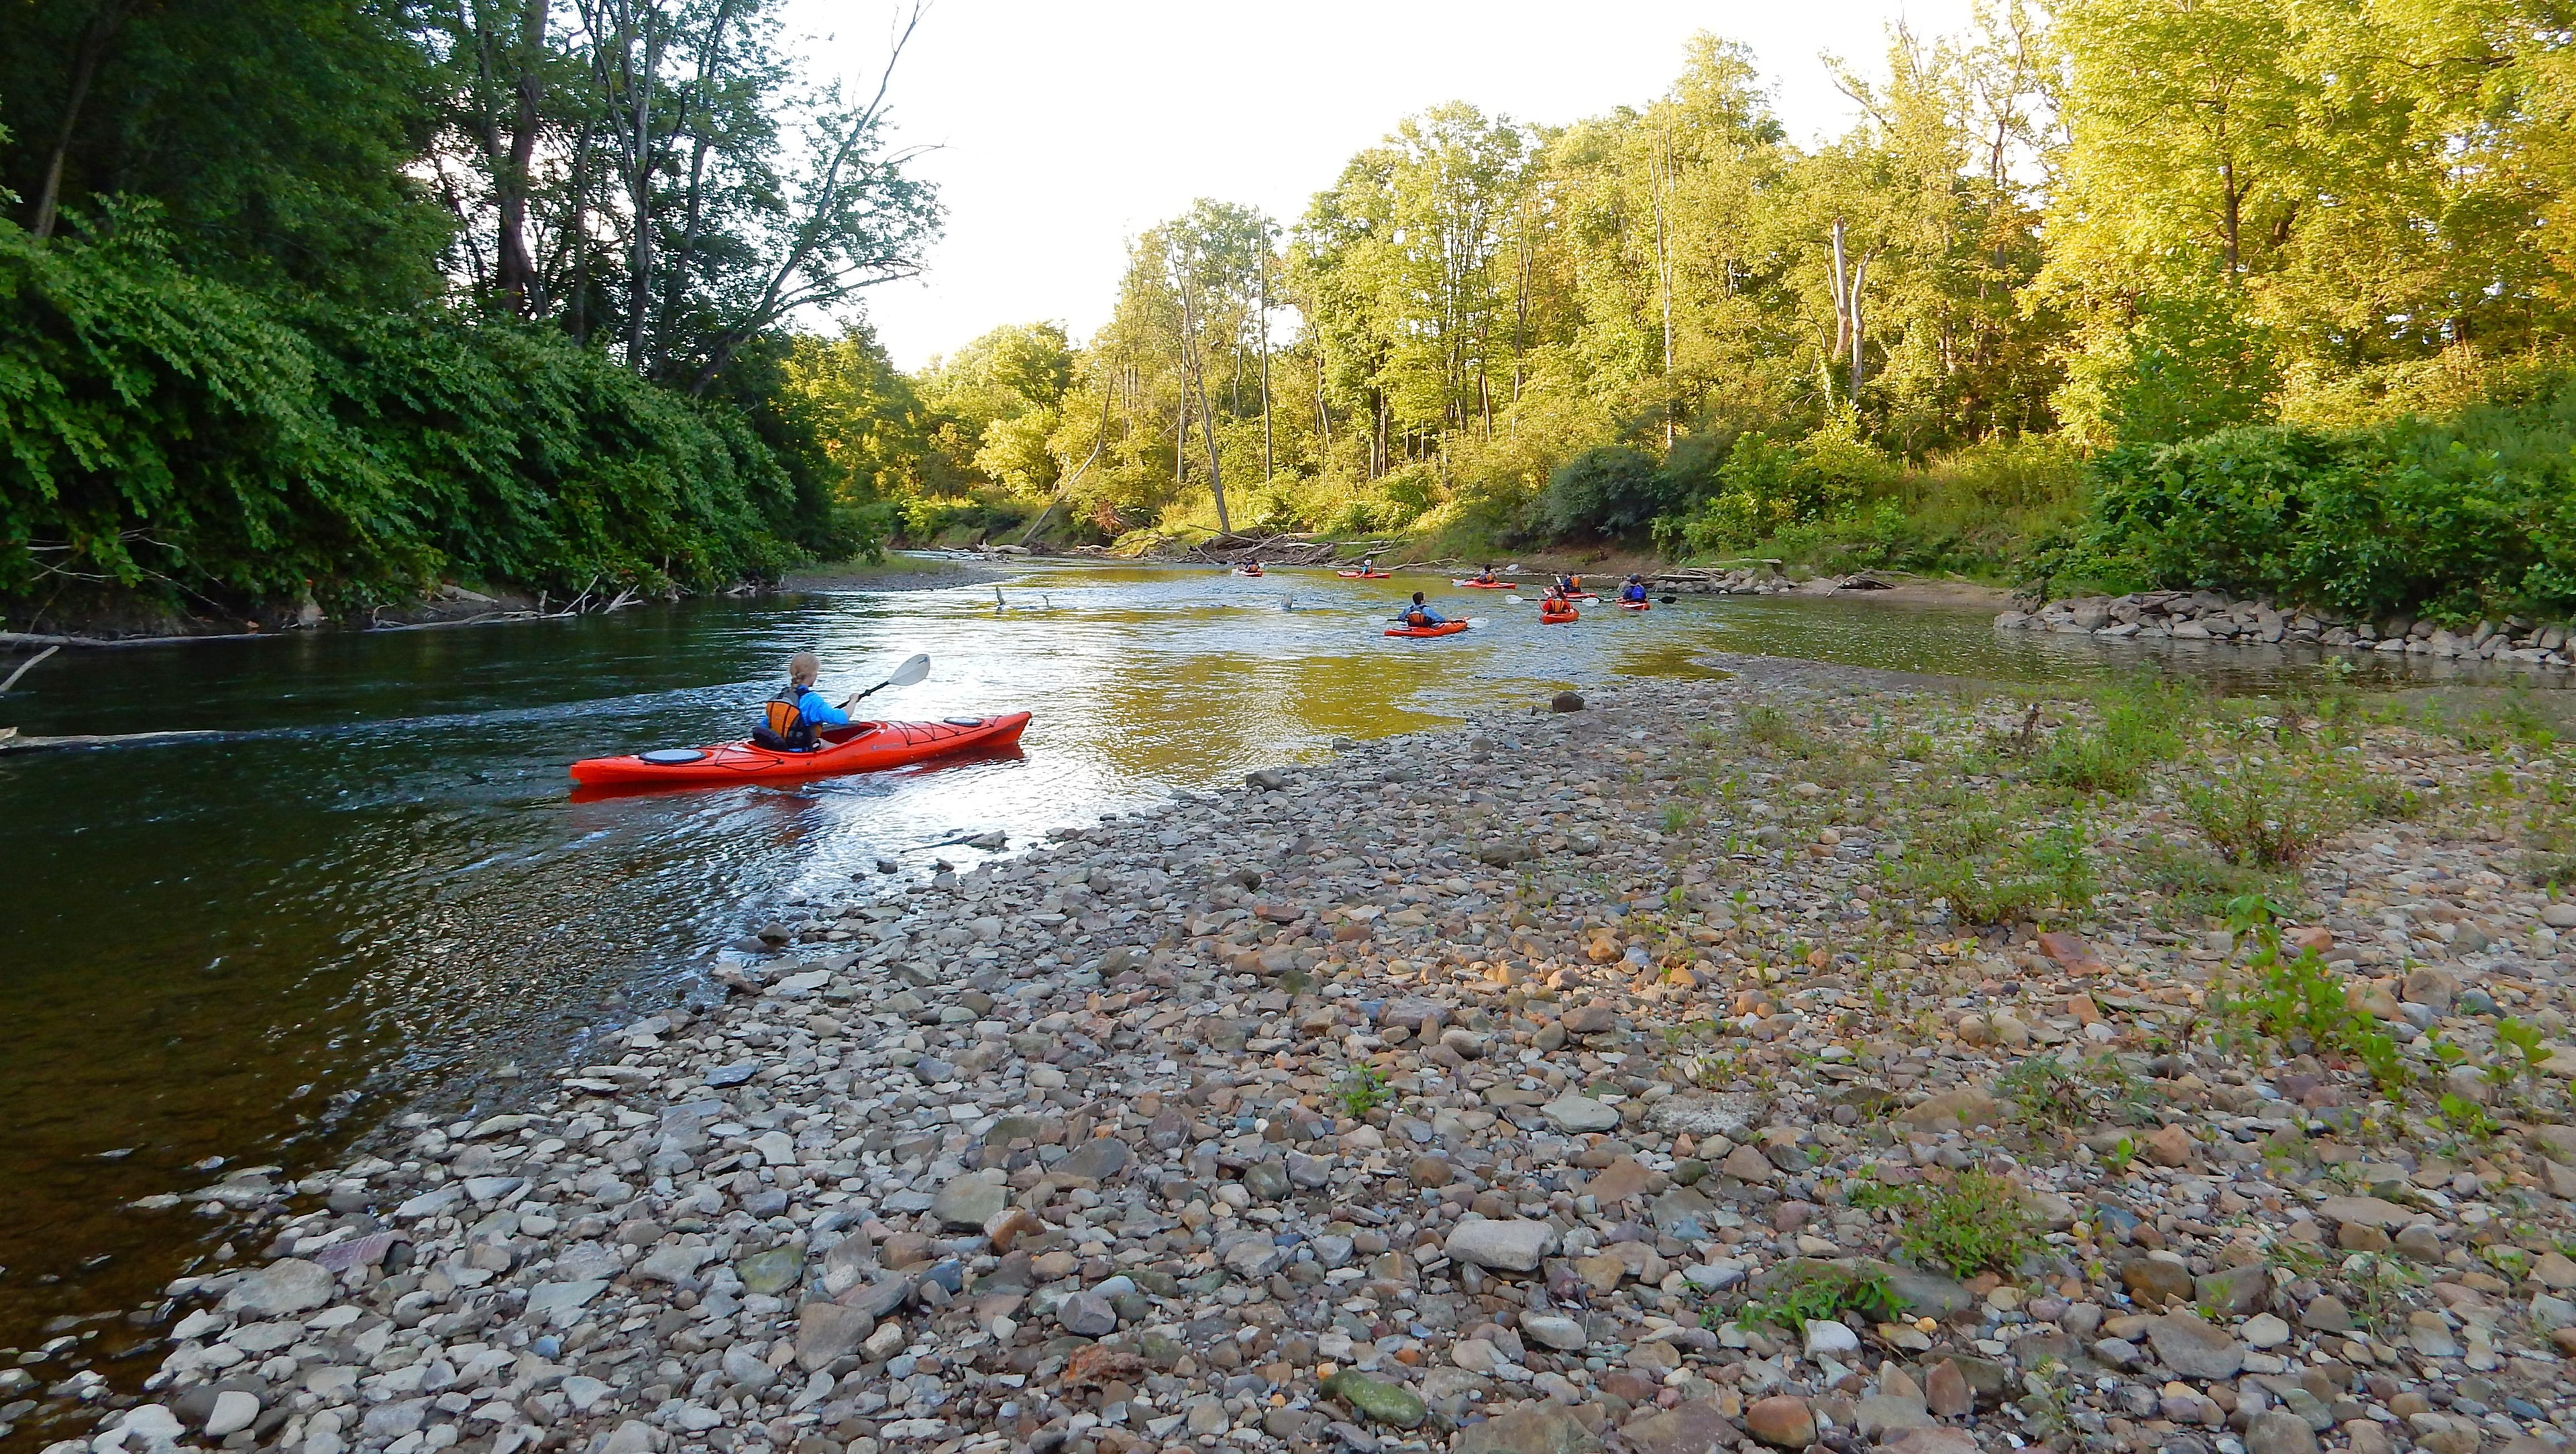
(1502, 1244)
(1540, 1428)
(2277, 1431)
(1549, 1330)
(233, 1412)
(288, 1285)
(1087, 1315)
(1097, 1159)
(2191, 1347)
(1575, 1113)
(970, 1201)
(825, 1331)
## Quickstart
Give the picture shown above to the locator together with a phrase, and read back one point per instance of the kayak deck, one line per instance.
(859, 747)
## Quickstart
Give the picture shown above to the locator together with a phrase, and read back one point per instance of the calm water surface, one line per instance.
(375, 889)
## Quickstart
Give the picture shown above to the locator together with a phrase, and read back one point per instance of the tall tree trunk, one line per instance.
(1860, 275)
(515, 270)
(640, 192)
(1269, 468)
(94, 39)
(676, 268)
(1664, 274)
(1193, 358)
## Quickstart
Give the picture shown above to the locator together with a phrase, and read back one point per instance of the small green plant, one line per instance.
(2466, 1116)
(1976, 1223)
(1361, 1090)
(2055, 1092)
(2298, 1001)
(1771, 727)
(2268, 812)
(1814, 1292)
(2379, 1287)
(2520, 1051)
(2195, 880)
(2122, 1155)
(1990, 875)
(2135, 733)
(1678, 817)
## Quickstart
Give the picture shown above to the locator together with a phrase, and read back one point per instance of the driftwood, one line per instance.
(25, 667)
(10, 741)
(1241, 548)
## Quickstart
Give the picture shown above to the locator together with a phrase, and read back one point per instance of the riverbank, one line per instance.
(1490, 1090)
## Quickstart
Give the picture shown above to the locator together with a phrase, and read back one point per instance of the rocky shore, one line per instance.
(2217, 616)
(1606, 1079)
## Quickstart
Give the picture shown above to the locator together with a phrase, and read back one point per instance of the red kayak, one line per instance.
(1484, 585)
(1364, 575)
(859, 747)
(1445, 628)
(1557, 618)
(1636, 605)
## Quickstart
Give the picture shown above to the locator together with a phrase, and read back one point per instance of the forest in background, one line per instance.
(2083, 292)
(323, 303)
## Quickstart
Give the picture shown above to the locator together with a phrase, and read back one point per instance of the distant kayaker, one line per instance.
(1635, 590)
(1485, 577)
(797, 710)
(1568, 584)
(1421, 614)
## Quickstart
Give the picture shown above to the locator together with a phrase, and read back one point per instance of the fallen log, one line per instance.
(11, 741)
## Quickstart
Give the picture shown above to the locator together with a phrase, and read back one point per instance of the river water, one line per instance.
(374, 890)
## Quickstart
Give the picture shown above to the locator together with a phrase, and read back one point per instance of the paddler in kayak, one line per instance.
(1421, 614)
(797, 709)
(1635, 590)
(1485, 577)
(1569, 584)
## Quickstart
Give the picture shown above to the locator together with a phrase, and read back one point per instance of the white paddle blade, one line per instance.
(1474, 622)
(912, 671)
(1515, 600)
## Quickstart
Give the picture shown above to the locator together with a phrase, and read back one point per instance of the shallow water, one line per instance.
(375, 889)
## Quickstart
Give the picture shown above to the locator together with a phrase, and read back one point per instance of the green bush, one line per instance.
(2456, 519)
(1765, 487)
(2269, 813)
(1976, 1223)
(166, 434)
(1600, 492)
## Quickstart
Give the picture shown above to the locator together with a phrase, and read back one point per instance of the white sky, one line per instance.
(1066, 126)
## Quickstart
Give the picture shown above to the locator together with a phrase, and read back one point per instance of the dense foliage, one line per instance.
(166, 431)
(2474, 516)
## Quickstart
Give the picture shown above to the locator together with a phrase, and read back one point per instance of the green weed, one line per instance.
(1992, 876)
(2268, 813)
(2055, 1092)
(1974, 1224)
(1361, 1089)
(1814, 1292)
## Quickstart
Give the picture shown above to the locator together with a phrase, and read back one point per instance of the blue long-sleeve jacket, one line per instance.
(819, 712)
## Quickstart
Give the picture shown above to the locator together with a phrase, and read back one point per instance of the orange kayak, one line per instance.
(859, 747)
(1484, 585)
(1364, 575)
(1636, 606)
(1553, 618)
(1445, 628)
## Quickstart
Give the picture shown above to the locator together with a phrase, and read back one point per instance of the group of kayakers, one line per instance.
(791, 717)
